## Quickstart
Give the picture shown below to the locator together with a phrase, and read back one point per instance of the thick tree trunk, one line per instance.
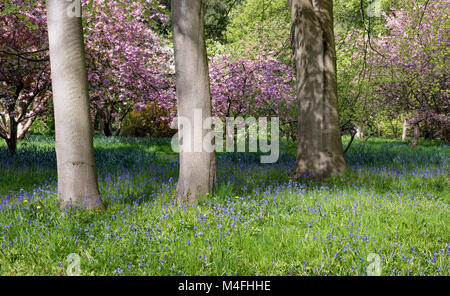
(107, 129)
(77, 175)
(198, 166)
(105, 122)
(12, 145)
(319, 151)
(12, 140)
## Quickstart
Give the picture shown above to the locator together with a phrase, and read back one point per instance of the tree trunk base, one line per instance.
(12, 146)
(300, 173)
(88, 203)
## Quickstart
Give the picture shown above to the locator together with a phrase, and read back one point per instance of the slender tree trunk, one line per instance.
(359, 133)
(393, 127)
(404, 129)
(197, 169)
(319, 151)
(416, 135)
(77, 174)
(120, 122)
(352, 137)
(445, 131)
(119, 128)
(286, 132)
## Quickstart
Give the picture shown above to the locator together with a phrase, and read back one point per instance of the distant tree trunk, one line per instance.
(11, 141)
(287, 132)
(106, 131)
(445, 133)
(105, 121)
(404, 129)
(359, 133)
(197, 169)
(120, 121)
(416, 135)
(14, 127)
(319, 150)
(393, 127)
(352, 137)
(24, 126)
(77, 175)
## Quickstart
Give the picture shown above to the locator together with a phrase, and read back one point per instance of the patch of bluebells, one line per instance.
(255, 204)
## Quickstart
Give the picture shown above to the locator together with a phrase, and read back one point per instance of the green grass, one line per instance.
(393, 201)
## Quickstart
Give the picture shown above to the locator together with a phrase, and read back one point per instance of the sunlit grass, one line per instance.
(393, 201)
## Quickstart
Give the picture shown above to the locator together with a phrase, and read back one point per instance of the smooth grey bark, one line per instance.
(77, 175)
(319, 151)
(197, 169)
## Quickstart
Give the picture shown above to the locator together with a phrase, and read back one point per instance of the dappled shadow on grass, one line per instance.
(34, 164)
(129, 172)
(240, 175)
(12, 180)
(258, 222)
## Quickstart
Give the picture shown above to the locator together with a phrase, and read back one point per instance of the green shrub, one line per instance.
(147, 123)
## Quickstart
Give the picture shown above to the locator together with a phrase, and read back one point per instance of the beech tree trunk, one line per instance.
(77, 175)
(319, 151)
(197, 166)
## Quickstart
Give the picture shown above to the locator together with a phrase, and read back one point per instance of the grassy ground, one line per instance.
(393, 201)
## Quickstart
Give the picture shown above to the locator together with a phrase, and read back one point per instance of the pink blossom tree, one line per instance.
(262, 86)
(128, 63)
(24, 68)
(410, 65)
